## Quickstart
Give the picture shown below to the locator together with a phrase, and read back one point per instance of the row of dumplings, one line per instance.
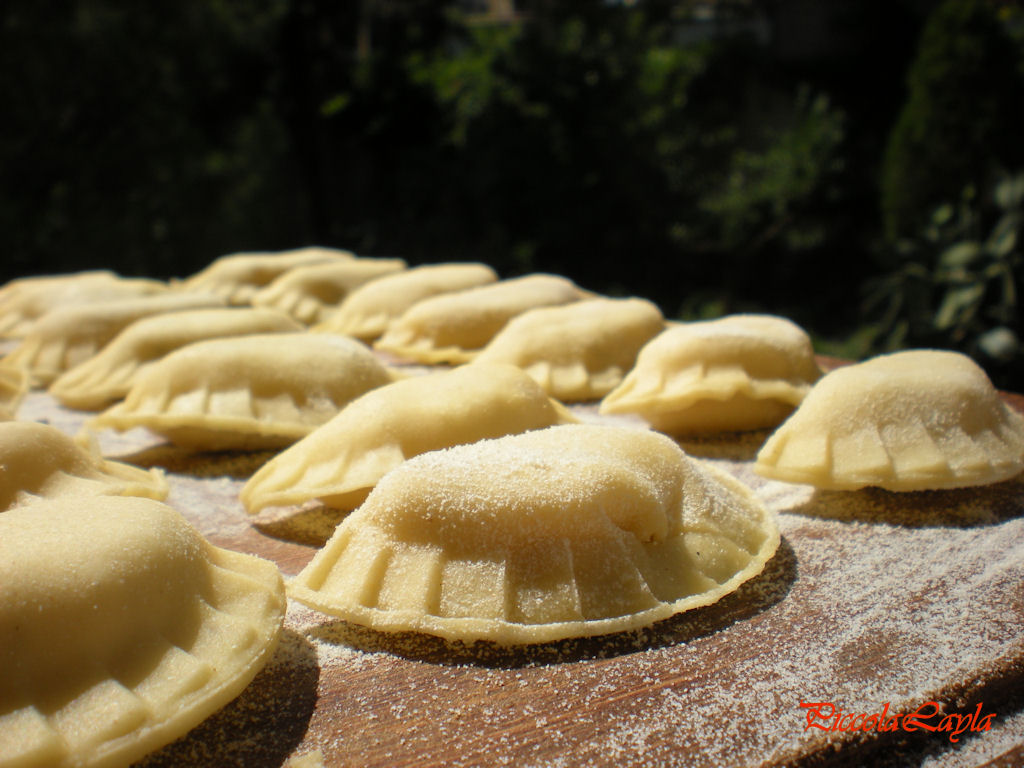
(185, 372)
(124, 628)
(483, 507)
(128, 628)
(249, 377)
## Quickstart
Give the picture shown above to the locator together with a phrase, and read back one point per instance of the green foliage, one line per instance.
(963, 118)
(583, 138)
(579, 140)
(764, 192)
(960, 280)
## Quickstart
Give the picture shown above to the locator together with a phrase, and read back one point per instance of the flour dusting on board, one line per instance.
(873, 599)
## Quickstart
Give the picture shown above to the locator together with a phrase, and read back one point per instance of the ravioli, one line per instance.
(26, 299)
(366, 312)
(916, 420)
(247, 392)
(340, 462)
(237, 277)
(122, 630)
(68, 336)
(13, 386)
(38, 461)
(310, 294)
(577, 351)
(107, 376)
(741, 372)
(568, 531)
(454, 327)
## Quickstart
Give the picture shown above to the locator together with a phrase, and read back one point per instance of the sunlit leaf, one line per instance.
(335, 104)
(958, 304)
(960, 254)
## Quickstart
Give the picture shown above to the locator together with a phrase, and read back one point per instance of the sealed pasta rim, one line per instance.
(909, 482)
(116, 719)
(425, 354)
(502, 632)
(13, 388)
(365, 328)
(779, 390)
(204, 431)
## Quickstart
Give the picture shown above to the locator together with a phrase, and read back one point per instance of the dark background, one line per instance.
(853, 165)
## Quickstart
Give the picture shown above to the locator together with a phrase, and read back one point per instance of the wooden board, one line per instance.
(875, 602)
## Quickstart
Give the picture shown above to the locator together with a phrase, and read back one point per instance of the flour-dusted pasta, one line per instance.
(310, 294)
(237, 277)
(366, 312)
(578, 351)
(107, 376)
(740, 372)
(13, 386)
(122, 630)
(908, 421)
(567, 531)
(247, 392)
(454, 327)
(340, 462)
(26, 299)
(68, 336)
(38, 461)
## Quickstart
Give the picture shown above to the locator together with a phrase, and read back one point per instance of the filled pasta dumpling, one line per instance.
(237, 277)
(247, 392)
(915, 420)
(340, 462)
(38, 461)
(310, 294)
(741, 372)
(454, 327)
(68, 336)
(578, 351)
(108, 375)
(567, 531)
(26, 299)
(122, 630)
(366, 312)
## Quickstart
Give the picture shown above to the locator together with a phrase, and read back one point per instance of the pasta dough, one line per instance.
(341, 461)
(366, 312)
(122, 630)
(310, 294)
(577, 351)
(453, 327)
(13, 386)
(247, 392)
(907, 421)
(108, 376)
(567, 531)
(237, 277)
(741, 372)
(25, 300)
(39, 461)
(68, 336)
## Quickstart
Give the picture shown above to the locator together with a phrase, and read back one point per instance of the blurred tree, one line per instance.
(963, 117)
(142, 140)
(583, 139)
(959, 283)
